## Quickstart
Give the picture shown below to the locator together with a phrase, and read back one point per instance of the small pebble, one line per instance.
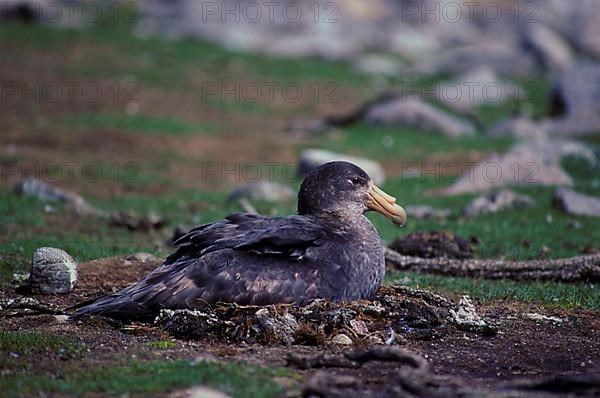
(342, 339)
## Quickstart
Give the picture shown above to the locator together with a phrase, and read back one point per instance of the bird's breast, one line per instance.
(352, 266)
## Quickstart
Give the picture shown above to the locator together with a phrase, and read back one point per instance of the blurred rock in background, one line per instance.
(433, 36)
(442, 36)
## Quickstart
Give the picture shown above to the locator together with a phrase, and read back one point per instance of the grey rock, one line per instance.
(571, 126)
(412, 112)
(359, 327)
(311, 158)
(575, 101)
(555, 150)
(576, 203)
(497, 201)
(353, 27)
(307, 127)
(426, 212)
(519, 127)
(44, 192)
(338, 35)
(378, 65)
(61, 319)
(581, 24)
(341, 339)
(53, 271)
(504, 58)
(47, 193)
(530, 163)
(541, 318)
(553, 51)
(478, 86)
(573, 91)
(204, 392)
(133, 222)
(413, 44)
(280, 327)
(262, 191)
(188, 323)
(21, 278)
(466, 316)
(590, 31)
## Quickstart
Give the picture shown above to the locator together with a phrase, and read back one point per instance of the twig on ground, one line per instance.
(28, 306)
(574, 269)
(416, 380)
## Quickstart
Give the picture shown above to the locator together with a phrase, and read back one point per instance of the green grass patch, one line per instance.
(40, 37)
(552, 294)
(16, 209)
(149, 378)
(163, 62)
(88, 239)
(536, 99)
(184, 206)
(518, 234)
(533, 100)
(137, 123)
(163, 344)
(406, 144)
(6, 271)
(85, 240)
(30, 342)
(224, 64)
(585, 175)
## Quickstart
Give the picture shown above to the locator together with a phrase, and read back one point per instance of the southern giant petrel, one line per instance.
(330, 250)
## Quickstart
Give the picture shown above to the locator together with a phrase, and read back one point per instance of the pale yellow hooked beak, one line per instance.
(385, 204)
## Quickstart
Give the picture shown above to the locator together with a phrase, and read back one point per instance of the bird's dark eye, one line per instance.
(357, 181)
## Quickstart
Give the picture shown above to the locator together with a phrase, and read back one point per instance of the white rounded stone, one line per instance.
(53, 271)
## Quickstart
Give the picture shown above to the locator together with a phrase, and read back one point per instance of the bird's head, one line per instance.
(345, 189)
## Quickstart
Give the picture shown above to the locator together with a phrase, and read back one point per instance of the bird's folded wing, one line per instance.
(285, 236)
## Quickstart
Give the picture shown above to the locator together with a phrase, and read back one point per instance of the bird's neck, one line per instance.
(361, 252)
(343, 222)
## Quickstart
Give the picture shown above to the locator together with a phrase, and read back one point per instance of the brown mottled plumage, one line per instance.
(330, 250)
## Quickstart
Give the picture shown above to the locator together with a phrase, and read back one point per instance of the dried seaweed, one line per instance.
(396, 314)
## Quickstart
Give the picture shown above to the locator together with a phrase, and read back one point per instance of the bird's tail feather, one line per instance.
(115, 306)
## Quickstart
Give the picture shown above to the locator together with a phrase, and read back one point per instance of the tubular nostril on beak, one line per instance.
(385, 204)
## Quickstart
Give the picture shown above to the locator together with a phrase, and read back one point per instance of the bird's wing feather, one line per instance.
(197, 274)
(285, 236)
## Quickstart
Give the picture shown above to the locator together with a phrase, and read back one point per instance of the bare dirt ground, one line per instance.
(522, 347)
(35, 134)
